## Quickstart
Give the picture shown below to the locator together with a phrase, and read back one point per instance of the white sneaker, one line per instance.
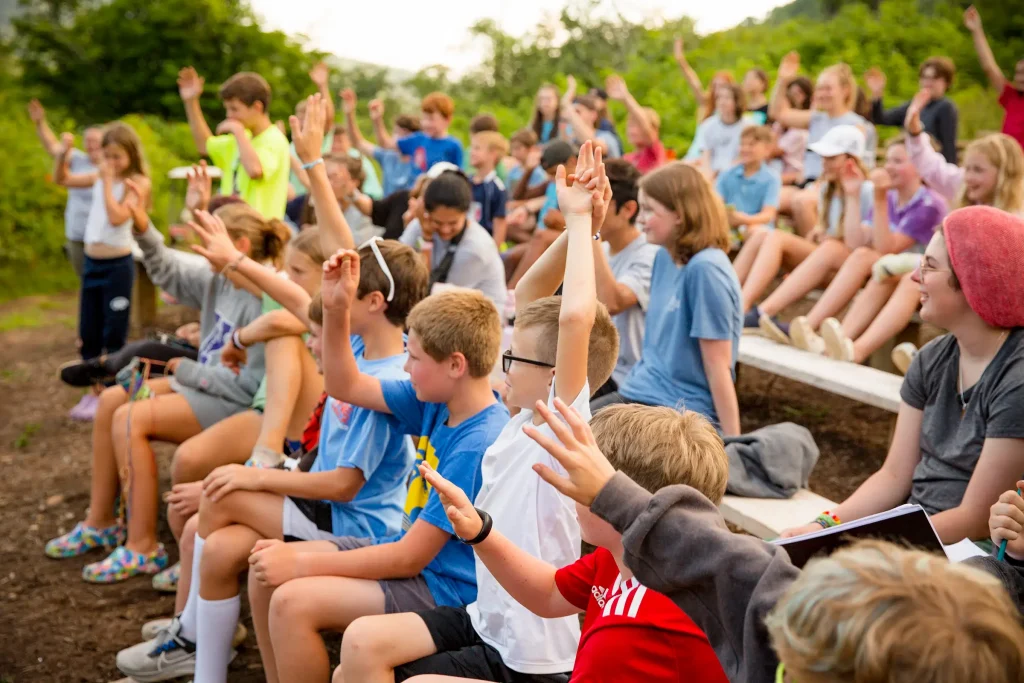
(166, 656)
(151, 629)
(837, 344)
(903, 356)
(804, 337)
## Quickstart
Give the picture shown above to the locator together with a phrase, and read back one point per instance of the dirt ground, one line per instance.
(55, 628)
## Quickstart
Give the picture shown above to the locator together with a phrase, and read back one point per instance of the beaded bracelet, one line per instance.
(827, 520)
(313, 163)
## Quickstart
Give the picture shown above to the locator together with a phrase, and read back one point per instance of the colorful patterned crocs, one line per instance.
(167, 580)
(123, 564)
(82, 539)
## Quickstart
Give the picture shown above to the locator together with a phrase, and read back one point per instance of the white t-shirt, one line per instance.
(541, 521)
(632, 267)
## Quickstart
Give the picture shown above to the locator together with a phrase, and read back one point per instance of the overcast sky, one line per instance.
(412, 34)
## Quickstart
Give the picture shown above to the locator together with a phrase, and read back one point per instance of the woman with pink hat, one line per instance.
(959, 437)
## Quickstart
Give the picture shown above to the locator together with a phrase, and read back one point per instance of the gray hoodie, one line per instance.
(212, 390)
(676, 543)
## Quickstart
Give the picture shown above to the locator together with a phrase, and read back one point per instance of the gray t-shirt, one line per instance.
(632, 267)
(477, 263)
(822, 123)
(951, 438)
(76, 213)
(721, 139)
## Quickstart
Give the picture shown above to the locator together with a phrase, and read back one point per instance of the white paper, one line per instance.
(962, 550)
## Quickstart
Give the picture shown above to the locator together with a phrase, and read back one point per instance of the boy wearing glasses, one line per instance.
(561, 347)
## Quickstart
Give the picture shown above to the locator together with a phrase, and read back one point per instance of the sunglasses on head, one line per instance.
(372, 244)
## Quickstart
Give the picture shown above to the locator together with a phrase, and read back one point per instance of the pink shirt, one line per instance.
(940, 175)
(648, 158)
(1012, 101)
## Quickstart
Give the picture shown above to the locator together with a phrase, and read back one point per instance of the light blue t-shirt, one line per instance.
(550, 202)
(537, 177)
(374, 443)
(76, 213)
(699, 300)
(456, 453)
(835, 207)
(424, 151)
(399, 173)
(749, 195)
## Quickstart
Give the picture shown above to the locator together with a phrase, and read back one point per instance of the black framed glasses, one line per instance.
(507, 358)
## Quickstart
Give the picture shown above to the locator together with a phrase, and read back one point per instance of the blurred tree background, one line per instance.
(96, 60)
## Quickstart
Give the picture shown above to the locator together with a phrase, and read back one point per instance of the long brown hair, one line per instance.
(124, 136)
(538, 118)
(267, 237)
(702, 219)
(831, 187)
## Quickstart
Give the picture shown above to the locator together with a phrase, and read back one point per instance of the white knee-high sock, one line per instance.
(217, 620)
(188, 614)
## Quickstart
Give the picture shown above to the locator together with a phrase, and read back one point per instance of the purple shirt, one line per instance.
(919, 217)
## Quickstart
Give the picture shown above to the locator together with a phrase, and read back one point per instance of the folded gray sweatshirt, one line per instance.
(212, 390)
(676, 543)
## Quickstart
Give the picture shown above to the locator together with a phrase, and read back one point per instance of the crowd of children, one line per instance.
(410, 397)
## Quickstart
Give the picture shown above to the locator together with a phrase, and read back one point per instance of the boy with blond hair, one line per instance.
(449, 408)
(248, 148)
(630, 632)
(487, 148)
(561, 346)
(432, 143)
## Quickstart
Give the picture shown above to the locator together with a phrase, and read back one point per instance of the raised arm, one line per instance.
(62, 174)
(617, 90)
(37, 113)
(940, 175)
(581, 130)
(308, 137)
(384, 138)
(342, 378)
(778, 107)
(972, 20)
(190, 87)
(692, 79)
(348, 104)
(320, 74)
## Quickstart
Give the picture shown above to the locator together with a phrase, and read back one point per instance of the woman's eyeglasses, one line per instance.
(507, 358)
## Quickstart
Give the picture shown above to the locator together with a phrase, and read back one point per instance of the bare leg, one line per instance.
(374, 646)
(867, 305)
(814, 270)
(805, 210)
(227, 442)
(161, 418)
(778, 247)
(300, 609)
(892, 319)
(186, 546)
(844, 286)
(748, 252)
(786, 196)
(293, 388)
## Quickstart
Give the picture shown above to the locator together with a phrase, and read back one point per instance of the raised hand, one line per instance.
(677, 50)
(875, 79)
(217, 247)
(912, 121)
(616, 87)
(972, 20)
(200, 188)
(308, 135)
(348, 100)
(570, 89)
(575, 199)
(789, 67)
(1006, 522)
(575, 450)
(190, 84)
(319, 74)
(340, 280)
(36, 112)
(461, 513)
(67, 142)
(376, 108)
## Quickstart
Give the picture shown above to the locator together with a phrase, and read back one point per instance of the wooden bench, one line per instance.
(767, 517)
(857, 382)
(143, 313)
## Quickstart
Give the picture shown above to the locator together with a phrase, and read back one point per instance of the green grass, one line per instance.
(30, 318)
(27, 432)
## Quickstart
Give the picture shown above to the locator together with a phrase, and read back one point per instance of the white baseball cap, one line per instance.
(841, 140)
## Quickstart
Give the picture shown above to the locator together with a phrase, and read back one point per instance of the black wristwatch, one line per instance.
(485, 530)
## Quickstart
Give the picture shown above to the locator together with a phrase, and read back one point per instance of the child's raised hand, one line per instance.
(200, 188)
(875, 80)
(790, 66)
(575, 200)
(36, 111)
(190, 84)
(616, 87)
(217, 247)
(461, 513)
(308, 135)
(348, 100)
(340, 280)
(677, 50)
(1006, 522)
(376, 109)
(67, 142)
(972, 20)
(575, 449)
(570, 89)
(319, 74)
(912, 121)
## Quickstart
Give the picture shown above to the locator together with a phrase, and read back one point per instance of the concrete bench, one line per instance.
(857, 382)
(767, 517)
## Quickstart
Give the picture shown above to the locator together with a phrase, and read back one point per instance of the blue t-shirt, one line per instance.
(550, 202)
(425, 151)
(547, 131)
(749, 195)
(373, 443)
(537, 177)
(489, 199)
(399, 173)
(700, 300)
(456, 453)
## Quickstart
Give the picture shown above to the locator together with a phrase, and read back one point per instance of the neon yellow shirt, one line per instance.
(268, 194)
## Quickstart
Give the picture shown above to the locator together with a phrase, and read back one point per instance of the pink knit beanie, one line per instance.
(986, 250)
